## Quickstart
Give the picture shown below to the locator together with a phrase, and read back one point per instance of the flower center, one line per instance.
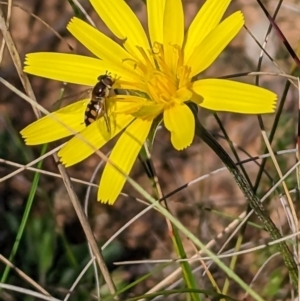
(163, 85)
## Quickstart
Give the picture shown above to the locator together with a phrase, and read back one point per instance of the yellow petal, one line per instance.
(215, 42)
(129, 104)
(155, 10)
(231, 96)
(138, 85)
(173, 32)
(103, 47)
(89, 140)
(208, 17)
(149, 111)
(70, 68)
(183, 94)
(49, 129)
(180, 121)
(97, 42)
(137, 106)
(123, 156)
(122, 21)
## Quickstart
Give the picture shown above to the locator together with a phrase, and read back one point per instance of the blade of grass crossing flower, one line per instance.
(208, 17)
(123, 156)
(89, 140)
(49, 128)
(82, 146)
(28, 207)
(215, 42)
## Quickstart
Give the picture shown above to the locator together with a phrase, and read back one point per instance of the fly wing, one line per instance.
(107, 121)
(70, 98)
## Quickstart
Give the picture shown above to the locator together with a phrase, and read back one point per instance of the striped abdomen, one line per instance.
(93, 111)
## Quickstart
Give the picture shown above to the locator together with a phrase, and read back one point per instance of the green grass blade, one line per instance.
(25, 216)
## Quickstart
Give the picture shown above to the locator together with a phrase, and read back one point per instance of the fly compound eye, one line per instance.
(99, 91)
(106, 80)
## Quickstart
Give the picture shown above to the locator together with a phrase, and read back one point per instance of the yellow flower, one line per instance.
(161, 68)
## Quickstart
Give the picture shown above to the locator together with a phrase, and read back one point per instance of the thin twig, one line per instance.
(9, 6)
(23, 275)
(27, 292)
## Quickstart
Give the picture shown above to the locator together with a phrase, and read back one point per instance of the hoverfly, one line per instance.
(97, 107)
